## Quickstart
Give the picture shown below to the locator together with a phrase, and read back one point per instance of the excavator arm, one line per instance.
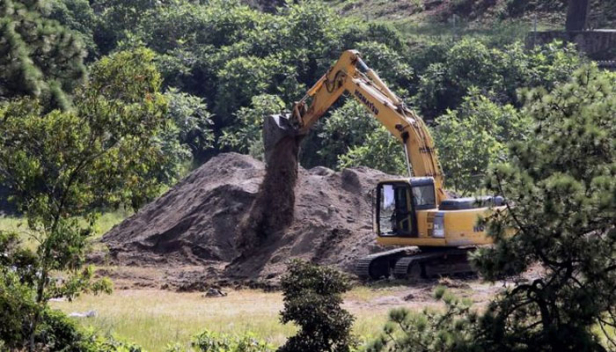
(351, 75)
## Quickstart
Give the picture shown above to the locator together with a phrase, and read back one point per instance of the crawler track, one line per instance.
(414, 263)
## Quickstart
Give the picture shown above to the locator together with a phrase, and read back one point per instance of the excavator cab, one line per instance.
(397, 203)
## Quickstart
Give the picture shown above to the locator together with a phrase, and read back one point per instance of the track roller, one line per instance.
(380, 265)
(413, 263)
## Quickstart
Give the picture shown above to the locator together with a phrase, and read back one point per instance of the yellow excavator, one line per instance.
(432, 231)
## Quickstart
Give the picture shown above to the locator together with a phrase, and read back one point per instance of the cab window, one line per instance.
(423, 197)
(395, 210)
(387, 209)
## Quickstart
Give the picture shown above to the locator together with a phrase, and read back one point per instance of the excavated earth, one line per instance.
(197, 224)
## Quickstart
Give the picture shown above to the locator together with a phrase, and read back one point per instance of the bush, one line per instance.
(312, 299)
(475, 136)
(497, 73)
(378, 144)
(55, 332)
(192, 121)
(431, 330)
(352, 136)
(246, 135)
(209, 341)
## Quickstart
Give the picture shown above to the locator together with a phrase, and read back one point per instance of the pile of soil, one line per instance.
(201, 220)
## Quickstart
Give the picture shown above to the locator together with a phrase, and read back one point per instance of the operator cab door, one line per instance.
(395, 216)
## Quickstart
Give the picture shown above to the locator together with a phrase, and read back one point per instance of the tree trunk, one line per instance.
(577, 13)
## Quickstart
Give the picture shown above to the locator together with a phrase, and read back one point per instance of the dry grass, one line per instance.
(155, 318)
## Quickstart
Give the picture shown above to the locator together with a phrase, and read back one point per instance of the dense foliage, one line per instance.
(224, 64)
(312, 298)
(170, 83)
(208, 341)
(63, 166)
(474, 136)
(496, 72)
(561, 204)
(38, 56)
(355, 138)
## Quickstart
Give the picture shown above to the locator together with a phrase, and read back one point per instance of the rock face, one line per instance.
(199, 220)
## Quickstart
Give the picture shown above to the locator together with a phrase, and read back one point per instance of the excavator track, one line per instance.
(411, 263)
(377, 266)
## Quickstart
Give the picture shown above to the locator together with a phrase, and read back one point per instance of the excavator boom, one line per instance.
(351, 75)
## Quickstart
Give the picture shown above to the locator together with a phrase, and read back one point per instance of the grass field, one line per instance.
(156, 318)
(104, 223)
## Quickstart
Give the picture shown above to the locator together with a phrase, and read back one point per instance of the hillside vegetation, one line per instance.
(548, 12)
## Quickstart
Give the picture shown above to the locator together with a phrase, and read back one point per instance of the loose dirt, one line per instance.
(273, 210)
(205, 218)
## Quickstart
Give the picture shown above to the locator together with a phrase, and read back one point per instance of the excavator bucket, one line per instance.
(275, 129)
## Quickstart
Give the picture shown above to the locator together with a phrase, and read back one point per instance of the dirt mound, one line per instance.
(199, 220)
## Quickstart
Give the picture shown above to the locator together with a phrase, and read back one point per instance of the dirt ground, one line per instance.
(191, 232)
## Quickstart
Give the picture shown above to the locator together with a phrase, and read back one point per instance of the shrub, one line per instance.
(497, 73)
(475, 136)
(352, 136)
(431, 330)
(312, 299)
(245, 136)
(193, 123)
(209, 341)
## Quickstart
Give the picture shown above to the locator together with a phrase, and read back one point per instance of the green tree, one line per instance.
(475, 136)
(38, 56)
(346, 127)
(117, 19)
(63, 166)
(560, 187)
(380, 151)
(389, 63)
(193, 123)
(245, 77)
(246, 135)
(228, 53)
(561, 192)
(496, 72)
(312, 299)
(78, 16)
(351, 136)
